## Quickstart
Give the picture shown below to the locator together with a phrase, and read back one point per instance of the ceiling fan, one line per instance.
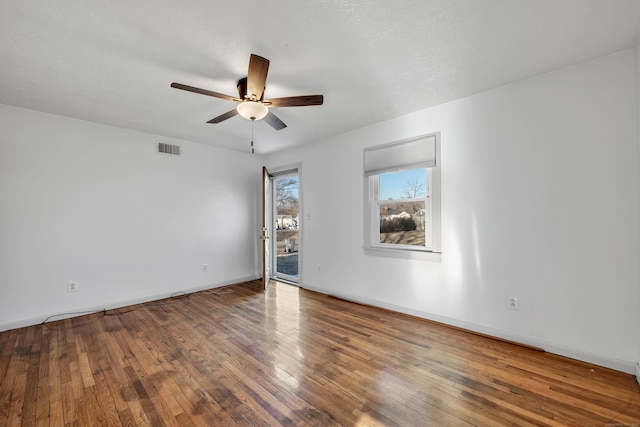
(251, 103)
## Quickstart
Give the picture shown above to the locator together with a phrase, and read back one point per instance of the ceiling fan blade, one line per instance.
(204, 92)
(257, 76)
(295, 101)
(224, 116)
(274, 121)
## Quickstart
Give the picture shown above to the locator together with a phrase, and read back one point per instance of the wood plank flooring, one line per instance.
(238, 356)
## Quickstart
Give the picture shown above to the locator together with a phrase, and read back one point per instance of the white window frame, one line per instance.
(432, 199)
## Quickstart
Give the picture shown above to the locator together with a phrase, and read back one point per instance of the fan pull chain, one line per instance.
(252, 123)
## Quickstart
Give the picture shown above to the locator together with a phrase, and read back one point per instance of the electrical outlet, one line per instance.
(72, 286)
(513, 303)
(205, 267)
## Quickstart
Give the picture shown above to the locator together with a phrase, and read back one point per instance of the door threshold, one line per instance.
(285, 281)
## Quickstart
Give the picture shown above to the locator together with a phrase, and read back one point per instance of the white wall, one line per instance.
(539, 201)
(97, 204)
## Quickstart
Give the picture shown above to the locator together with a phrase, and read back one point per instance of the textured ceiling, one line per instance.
(112, 61)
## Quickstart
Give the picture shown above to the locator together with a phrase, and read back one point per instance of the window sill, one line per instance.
(404, 254)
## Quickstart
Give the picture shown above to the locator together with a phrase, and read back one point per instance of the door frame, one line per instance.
(276, 173)
(264, 235)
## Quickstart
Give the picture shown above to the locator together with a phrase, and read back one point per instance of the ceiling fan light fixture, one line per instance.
(252, 110)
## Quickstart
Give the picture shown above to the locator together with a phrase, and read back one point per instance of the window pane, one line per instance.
(402, 223)
(287, 241)
(403, 185)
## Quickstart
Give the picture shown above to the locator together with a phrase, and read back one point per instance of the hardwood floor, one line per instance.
(239, 356)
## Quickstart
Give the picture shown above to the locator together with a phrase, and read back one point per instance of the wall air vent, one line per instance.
(168, 149)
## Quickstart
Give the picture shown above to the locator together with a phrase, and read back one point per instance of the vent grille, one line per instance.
(168, 149)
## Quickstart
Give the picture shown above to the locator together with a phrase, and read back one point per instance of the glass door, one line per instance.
(286, 226)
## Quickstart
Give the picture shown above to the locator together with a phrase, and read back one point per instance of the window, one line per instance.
(402, 182)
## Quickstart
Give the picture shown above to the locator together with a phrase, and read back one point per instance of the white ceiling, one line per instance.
(112, 61)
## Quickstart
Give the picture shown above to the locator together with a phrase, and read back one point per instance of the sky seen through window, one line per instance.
(394, 185)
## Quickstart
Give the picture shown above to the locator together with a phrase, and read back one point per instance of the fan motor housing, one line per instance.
(242, 91)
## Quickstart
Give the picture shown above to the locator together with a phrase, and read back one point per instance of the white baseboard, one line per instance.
(561, 350)
(637, 373)
(118, 304)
